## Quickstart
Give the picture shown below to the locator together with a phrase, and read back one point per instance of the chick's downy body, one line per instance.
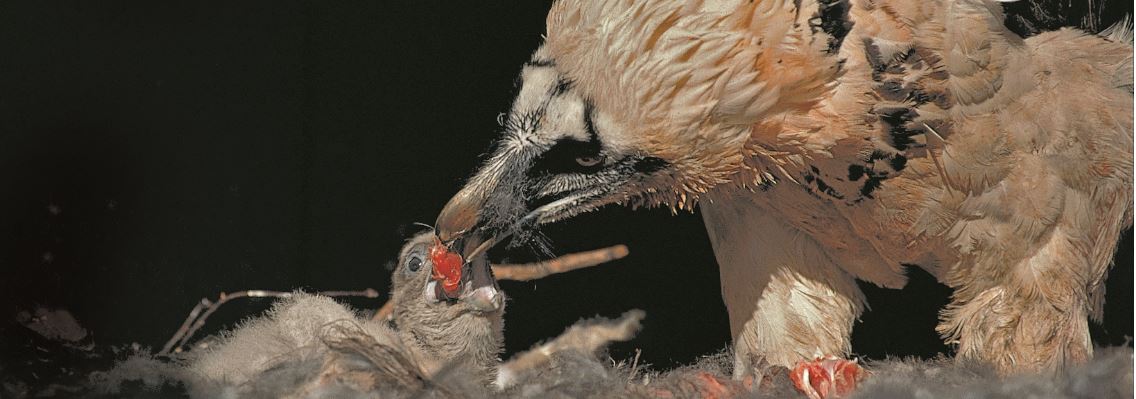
(312, 347)
(831, 141)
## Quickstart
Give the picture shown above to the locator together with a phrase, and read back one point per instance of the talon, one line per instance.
(826, 377)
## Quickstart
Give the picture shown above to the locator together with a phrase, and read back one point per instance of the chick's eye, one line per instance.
(414, 263)
(589, 161)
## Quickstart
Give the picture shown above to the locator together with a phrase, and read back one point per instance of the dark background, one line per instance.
(152, 154)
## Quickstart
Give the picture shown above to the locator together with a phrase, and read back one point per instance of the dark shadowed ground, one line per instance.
(153, 153)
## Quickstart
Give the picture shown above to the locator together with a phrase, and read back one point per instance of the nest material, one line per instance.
(312, 347)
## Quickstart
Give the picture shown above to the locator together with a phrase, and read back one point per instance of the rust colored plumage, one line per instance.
(827, 142)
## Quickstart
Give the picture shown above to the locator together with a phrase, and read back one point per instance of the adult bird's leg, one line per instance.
(1032, 316)
(788, 302)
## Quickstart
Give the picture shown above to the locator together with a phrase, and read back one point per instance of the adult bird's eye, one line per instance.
(414, 263)
(589, 161)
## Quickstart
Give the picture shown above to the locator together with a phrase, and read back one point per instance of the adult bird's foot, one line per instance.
(827, 377)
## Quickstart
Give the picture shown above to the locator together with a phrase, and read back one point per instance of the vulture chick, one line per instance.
(324, 348)
(828, 141)
(310, 346)
(466, 333)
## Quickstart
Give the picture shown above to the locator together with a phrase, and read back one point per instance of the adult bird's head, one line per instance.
(642, 103)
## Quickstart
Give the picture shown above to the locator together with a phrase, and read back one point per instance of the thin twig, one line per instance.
(537, 270)
(202, 304)
(634, 365)
(586, 337)
(566, 263)
(196, 318)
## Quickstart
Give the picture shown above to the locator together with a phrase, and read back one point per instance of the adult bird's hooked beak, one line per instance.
(458, 223)
(462, 225)
(559, 156)
(460, 215)
(521, 187)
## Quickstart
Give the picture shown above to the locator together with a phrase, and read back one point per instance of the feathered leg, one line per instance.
(787, 301)
(1035, 319)
(1034, 316)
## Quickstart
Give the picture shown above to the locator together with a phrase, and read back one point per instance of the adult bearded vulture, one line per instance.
(827, 142)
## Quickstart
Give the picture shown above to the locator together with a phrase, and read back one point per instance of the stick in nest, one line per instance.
(538, 270)
(586, 337)
(205, 308)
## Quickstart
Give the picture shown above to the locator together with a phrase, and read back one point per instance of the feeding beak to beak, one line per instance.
(475, 285)
(503, 199)
(460, 225)
(479, 289)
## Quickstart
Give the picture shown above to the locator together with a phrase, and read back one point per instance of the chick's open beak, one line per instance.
(481, 291)
(476, 286)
